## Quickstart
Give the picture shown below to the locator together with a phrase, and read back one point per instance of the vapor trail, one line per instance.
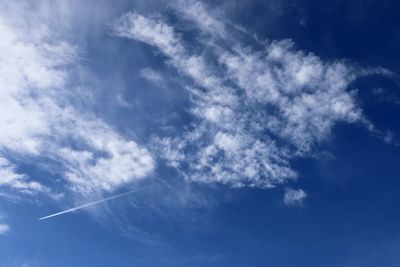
(90, 204)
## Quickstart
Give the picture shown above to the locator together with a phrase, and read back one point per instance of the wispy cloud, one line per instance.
(254, 108)
(153, 77)
(39, 117)
(207, 20)
(4, 227)
(11, 178)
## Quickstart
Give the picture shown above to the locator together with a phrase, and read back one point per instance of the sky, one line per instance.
(199, 133)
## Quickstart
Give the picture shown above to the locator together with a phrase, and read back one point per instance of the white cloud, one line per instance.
(124, 162)
(4, 229)
(9, 177)
(27, 67)
(122, 102)
(197, 12)
(294, 197)
(38, 117)
(149, 31)
(153, 76)
(254, 110)
(212, 162)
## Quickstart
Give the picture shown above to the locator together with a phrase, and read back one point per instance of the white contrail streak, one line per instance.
(89, 204)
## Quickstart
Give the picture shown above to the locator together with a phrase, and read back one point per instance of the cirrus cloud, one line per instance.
(254, 109)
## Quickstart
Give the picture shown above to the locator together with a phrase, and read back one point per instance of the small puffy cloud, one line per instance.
(294, 197)
(153, 77)
(4, 229)
(378, 91)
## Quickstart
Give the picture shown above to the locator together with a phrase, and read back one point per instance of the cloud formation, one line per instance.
(153, 77)
(11, 178)
(4, 228)
(294, 197)
(40, 120)
(254, 108)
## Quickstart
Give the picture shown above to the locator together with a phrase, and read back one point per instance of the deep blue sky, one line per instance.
(128, 87)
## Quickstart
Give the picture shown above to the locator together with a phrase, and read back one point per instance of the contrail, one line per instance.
(90, 204)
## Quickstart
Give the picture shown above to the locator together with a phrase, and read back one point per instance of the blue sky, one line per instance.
(199, 133)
